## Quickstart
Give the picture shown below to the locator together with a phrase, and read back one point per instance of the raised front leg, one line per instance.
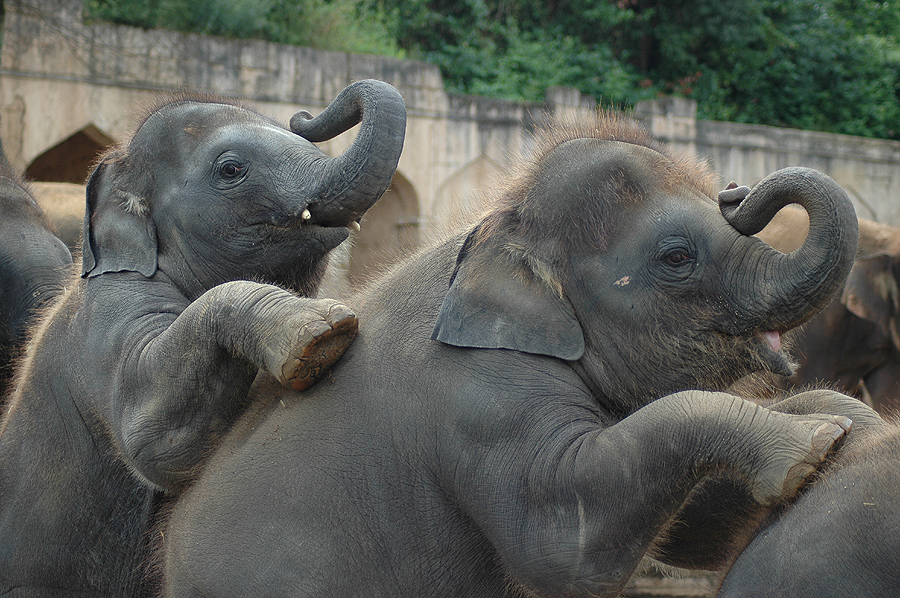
(587, 513)
(183, 384)
(720, 517)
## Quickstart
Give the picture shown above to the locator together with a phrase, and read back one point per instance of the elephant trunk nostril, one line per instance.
(733, 194)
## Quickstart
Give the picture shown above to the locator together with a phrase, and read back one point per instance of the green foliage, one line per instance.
(831, 65)
(515, 49)
(342, 25)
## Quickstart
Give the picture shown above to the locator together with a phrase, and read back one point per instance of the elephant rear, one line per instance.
(841, 538)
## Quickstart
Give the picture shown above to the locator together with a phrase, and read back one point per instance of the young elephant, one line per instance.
(34, 265)
(515, 416)
(149, 357)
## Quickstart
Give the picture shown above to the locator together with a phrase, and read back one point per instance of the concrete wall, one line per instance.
(63, 81)
(67, 84)
(868, 169)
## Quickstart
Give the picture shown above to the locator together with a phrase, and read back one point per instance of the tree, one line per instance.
(830, 65)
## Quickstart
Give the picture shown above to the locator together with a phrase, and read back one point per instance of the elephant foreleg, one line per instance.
(720, 517)
(184, 386)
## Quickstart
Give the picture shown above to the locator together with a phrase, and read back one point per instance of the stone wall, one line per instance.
(64, 81)
(869, 169)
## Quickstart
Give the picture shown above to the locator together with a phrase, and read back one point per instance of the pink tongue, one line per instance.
(773, 339)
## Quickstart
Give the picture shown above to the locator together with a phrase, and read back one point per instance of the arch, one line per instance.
(465, 194)
(388, 232)
(70, 160)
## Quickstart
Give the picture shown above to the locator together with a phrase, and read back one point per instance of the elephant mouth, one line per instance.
(305, 221)
(766, 346)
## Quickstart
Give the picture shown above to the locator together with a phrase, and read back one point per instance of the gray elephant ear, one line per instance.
(494, 303)
(871, 291)
(119, 235)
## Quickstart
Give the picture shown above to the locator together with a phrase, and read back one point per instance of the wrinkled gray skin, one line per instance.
(34, 265)
(151, 354)
(840, 537)
(509, 420)
(853, 345)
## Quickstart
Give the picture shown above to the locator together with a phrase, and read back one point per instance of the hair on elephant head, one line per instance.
(621, 248)
(174, 197)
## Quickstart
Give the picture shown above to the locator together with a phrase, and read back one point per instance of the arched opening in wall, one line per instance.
(465, 194)
(388, 232)
(70, 160)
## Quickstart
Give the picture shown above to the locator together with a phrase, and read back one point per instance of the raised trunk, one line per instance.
(353, 181)
(796, 285)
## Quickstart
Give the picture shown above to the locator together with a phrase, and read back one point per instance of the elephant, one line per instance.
(34, 265)
(530, 400)
(853, 345)
(205, 236)
(839, 538)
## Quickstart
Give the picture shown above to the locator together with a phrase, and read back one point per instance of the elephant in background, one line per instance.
(853, 345)
(34, 265)
(204, 235)
(530, 401)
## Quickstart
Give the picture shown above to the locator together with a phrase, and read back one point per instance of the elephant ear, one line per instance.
(871, 290)
(494, 303)
(119, 235)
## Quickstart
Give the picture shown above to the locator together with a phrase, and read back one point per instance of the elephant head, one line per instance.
(611, 251)
(206, 192)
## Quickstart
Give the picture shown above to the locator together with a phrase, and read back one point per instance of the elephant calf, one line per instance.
(192, 229)
(530, 402)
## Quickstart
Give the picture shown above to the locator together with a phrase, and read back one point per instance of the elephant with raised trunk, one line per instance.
(34, 265)
(529, 402)
(202, 234)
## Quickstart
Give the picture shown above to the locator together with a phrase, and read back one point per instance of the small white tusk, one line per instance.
(305, 215)
(354, 225)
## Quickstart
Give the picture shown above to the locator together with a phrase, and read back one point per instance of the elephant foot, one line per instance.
(813, 436)
(320, 343)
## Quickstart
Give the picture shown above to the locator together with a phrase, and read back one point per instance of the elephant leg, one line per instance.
(321, 342)
(186, 384)
(720, 517)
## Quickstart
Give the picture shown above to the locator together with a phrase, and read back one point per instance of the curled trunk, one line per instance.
(350, 183)
(796, 285)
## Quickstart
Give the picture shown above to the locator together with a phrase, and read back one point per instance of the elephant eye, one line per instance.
(231, 169)
(677, 258)
(675, 252)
